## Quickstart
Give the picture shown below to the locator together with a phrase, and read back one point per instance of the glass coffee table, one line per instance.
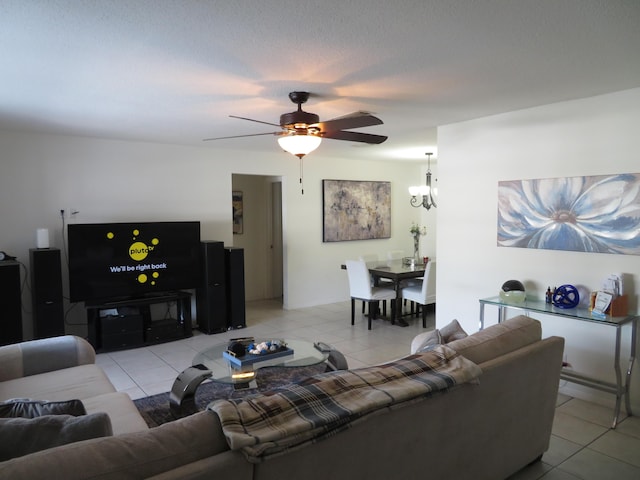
(211, 364)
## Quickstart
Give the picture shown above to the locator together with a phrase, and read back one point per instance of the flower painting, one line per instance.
(598, 214)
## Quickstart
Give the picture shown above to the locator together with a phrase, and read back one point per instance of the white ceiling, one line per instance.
(172, 71)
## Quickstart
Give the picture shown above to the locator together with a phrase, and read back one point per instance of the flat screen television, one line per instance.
(117, 261)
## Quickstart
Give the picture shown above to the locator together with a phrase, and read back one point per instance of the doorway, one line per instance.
(261, 235)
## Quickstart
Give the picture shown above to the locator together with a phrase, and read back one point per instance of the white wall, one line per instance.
(111, 180)
(593, 136)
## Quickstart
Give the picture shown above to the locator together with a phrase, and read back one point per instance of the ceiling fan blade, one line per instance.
(239, 136)
(258, 121)
(355, 136)
(353, 120)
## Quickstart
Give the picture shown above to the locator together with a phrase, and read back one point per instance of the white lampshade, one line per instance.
(414, 191)
(299, 145)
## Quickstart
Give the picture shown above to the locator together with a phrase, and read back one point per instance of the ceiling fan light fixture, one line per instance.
(299, 145)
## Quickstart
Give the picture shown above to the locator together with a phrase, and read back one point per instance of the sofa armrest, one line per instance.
(46, 355)
(137, 455)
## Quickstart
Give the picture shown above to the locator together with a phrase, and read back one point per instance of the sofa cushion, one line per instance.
(424, 342)
(150, 454)
(499, 339)
(22, 436)
(76, 382)
(427, 341)
(452, 331)
(27, 408)
(125, 417)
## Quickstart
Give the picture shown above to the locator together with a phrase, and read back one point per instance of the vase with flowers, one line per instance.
(417, 231)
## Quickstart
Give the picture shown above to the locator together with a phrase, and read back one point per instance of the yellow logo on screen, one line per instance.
(138, 251)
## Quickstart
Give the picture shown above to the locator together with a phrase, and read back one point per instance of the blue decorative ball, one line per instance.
(566, 296)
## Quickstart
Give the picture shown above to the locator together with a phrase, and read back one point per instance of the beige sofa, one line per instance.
(483, 430)
(63, 368)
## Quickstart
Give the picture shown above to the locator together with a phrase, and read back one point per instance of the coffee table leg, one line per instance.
(185, 386)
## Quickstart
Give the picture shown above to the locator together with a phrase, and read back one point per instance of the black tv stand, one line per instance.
(128, 323)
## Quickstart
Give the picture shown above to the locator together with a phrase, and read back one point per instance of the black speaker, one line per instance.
(10, 303)
(234, 266)
(211, 296)
(46, 292)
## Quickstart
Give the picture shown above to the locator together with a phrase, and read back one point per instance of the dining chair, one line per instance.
(399, 255)
(419, 293)
(360, 288)
(370, 258)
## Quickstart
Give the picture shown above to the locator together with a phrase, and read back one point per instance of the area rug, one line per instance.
(155, 409)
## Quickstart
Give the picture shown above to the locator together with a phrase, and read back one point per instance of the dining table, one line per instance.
(396, 271)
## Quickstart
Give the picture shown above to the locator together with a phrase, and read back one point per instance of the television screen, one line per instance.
(128, 260)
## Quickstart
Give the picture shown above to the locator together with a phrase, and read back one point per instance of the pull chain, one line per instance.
(301, 175)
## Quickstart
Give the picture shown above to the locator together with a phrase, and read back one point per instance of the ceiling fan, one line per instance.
(301, 132)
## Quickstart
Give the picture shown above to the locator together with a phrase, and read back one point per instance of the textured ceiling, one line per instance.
(172, 71)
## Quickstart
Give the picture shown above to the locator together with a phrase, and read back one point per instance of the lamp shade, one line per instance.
(299, 145)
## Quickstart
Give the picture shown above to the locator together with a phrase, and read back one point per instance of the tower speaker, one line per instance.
(10, 303)
(234, 265)
(211, 296)
(46, 292)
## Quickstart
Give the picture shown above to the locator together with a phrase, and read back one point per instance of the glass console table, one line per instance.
(585, 315)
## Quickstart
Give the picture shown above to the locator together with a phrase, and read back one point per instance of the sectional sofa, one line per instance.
(486, 428)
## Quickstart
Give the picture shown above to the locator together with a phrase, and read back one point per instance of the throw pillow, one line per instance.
(429, 340)
(27, 408)
(452, 332)
(22, 436)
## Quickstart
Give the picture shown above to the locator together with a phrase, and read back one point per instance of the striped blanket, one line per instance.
(293, 415)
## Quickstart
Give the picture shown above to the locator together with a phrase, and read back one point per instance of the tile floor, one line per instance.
(582, 444)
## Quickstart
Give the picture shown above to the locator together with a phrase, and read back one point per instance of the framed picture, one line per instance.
(596, 214)
(237, 212)
(355, 210)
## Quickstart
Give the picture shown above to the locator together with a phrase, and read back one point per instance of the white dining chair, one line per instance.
(420, 293)
(360, 288)
(370, 258)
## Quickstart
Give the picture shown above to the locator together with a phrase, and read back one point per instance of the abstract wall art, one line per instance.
(356, 210)
(597, 214)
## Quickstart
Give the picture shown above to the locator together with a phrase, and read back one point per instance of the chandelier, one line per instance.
(426, 191)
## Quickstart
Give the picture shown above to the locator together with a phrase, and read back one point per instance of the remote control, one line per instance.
(323, 347)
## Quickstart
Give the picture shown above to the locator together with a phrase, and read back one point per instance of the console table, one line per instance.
(584, 315)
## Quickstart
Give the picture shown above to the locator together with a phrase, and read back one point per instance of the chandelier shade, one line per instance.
(299, 145)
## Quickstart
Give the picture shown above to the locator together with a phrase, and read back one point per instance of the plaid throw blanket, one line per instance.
(294, 415)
